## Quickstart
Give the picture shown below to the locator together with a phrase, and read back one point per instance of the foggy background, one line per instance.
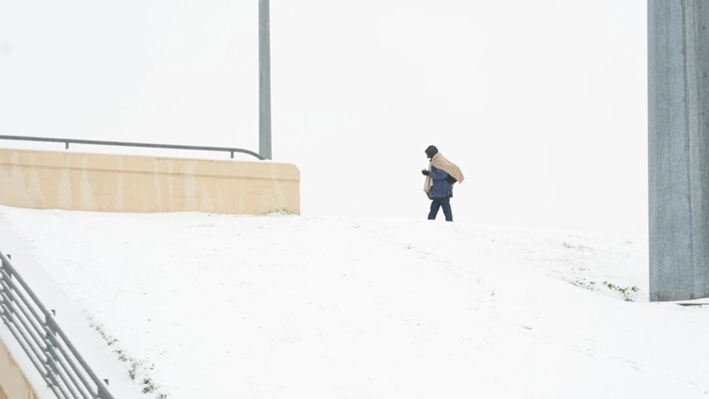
(542, 104)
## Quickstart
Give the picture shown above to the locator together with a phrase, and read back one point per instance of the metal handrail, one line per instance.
(62, 367)
(128, 144)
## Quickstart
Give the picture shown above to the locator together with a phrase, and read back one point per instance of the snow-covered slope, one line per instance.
(275, 306)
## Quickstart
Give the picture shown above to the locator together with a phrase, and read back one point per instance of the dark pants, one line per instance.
(444, 203)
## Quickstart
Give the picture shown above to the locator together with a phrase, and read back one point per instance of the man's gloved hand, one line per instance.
(425, 172)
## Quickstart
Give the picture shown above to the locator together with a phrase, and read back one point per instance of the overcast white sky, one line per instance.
(542, 104)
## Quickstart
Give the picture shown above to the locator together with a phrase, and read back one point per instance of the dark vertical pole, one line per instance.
(264, 80)
(678, 143)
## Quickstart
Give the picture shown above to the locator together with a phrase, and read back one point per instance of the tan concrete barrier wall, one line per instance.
(121, 183)
(13, 384)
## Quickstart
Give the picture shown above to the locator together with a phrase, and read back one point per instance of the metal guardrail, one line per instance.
(126, 144)
(44, 342)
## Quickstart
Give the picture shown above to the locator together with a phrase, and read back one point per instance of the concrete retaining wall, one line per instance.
(13, 384)
(121, 183)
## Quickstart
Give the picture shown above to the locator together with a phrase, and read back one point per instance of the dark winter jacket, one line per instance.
(441, 188)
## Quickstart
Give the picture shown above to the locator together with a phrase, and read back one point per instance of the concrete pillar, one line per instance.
(678, 140)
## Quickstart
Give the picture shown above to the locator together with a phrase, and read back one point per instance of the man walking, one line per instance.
(441, 175)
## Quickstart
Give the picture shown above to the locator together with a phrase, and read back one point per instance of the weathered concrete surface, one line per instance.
(678, 64)
(122, 183)
(13, 384)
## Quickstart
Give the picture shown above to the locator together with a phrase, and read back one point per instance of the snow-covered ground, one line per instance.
(285, 306)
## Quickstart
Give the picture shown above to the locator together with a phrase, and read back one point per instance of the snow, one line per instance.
(330, 304)
(274, 306)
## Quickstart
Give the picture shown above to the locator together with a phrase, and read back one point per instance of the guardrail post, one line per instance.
(103, 393)
(49, 366)
(7, 272)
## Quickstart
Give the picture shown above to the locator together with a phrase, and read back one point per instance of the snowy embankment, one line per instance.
(283, 306)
